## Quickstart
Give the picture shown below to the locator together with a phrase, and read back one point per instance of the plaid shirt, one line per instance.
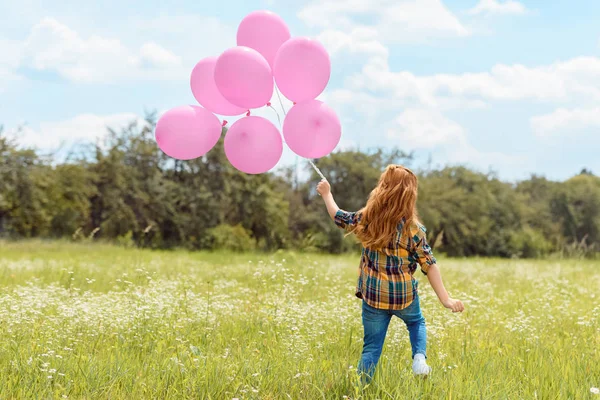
(386, 277)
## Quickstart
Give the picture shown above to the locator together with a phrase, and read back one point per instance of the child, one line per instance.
(393, 243)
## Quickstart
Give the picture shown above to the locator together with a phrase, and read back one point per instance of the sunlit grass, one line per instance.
(96, 321)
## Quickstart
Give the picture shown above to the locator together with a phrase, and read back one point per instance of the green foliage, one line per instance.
(476, 213)
(125, 240)
(126, 190)
(232, 238)
(69, 191)
(529, 243)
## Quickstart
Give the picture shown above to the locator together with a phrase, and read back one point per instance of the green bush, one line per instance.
(232, 238)
(126, 240)
(332, 240)
(529, 243)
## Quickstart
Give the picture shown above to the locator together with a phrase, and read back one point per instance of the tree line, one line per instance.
(125, 189)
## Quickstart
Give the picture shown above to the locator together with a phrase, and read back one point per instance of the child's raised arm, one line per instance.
(324, 189)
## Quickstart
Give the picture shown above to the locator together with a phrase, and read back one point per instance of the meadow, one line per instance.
(94, 321)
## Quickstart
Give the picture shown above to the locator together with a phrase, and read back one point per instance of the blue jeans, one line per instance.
(375, 324)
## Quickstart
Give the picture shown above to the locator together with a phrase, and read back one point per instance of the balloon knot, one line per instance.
(248, 113)
(295, 103)
(224, 122)
(269, 104)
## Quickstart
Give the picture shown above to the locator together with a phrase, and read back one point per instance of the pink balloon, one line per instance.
(187, 132)
(244, 77)
(302, 69)
(264, 32)
(312, 129)
(253, 145)
(205, 89)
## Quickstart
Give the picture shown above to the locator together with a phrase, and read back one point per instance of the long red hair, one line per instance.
(393, 200)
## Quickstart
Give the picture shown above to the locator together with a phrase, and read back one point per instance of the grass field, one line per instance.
(102, 322)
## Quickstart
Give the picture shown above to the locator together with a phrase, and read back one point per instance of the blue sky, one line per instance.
(508, 85)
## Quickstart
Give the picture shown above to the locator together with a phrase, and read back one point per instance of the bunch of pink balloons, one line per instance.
(244, 78)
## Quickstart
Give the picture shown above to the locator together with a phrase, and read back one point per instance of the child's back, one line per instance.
(394, 264)
(393, 242)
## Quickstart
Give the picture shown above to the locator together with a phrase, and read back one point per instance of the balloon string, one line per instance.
(280, 102)
(278, 117)
(312, 164)
(318, 171)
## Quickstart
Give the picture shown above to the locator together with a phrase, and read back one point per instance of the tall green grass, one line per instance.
(103, 322)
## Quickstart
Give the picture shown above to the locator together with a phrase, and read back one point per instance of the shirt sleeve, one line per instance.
(346, 220)
(422, 251)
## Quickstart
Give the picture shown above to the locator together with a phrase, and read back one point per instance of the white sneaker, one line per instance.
(420, 367)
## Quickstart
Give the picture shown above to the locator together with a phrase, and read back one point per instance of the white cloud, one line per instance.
(191, 36)
(9, 51)
(327, 13)
(346, 32)
(497, 7)
(84, 128)
(361, 40)
(577, 79)
(52, 46)
(420, 19)
(153, 54)
(400, 21)
(566, 121)
(358, 105)
(425, 128)
(422, 129)
(370, 98)
(465, 153)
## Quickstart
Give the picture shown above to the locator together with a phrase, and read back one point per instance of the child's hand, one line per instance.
(454, 305)
(323, 188)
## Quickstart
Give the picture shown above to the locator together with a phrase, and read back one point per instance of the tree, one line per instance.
(24, 210)
(133, 193)
(469, 213)
(353, 174)
(577, 207)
